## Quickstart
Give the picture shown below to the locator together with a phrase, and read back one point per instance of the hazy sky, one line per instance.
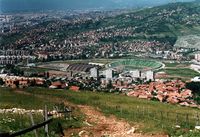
(21, 5)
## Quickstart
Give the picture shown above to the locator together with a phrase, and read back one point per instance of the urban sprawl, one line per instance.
(35, 39)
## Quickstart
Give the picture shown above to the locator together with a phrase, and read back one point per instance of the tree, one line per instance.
(1, 81)
(109, 85)
(194, 86)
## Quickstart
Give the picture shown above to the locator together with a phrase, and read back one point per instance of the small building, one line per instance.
(58, 85)
(11, 83)
(74, 88)
(42, 55)
(39, 81)
(196, 79)
(24, 83)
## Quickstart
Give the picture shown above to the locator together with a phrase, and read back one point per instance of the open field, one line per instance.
(176, 64)
(10, 99)
(179, 70)
(136, 64)
(182, 73)
(11, 122)
(151, 116)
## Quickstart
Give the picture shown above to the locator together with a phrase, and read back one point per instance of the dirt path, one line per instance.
(21, 92)
(98, 125)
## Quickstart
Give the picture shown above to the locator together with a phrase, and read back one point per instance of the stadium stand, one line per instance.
(135, 63)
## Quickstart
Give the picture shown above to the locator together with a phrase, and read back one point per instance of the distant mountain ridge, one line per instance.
(28, 5)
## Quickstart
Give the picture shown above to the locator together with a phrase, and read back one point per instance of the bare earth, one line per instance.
(99, 125)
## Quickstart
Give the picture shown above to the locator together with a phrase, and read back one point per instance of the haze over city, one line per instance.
(34, 5)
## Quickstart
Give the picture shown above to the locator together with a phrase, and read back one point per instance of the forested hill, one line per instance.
(163, 23)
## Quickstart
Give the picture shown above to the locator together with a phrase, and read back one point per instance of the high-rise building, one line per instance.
(149, 75)
(135, 73)
(109, 73)
(94, 72)
(197, 57)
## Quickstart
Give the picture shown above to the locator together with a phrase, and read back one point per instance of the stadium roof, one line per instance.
(80, 67)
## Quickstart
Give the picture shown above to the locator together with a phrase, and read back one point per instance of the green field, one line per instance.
(130, 64)
(153, 117)
(9, 122)
(182, 73)
(176, 64)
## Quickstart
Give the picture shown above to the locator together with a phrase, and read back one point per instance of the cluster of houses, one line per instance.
(173, 92)
(90, 76)
(14, 56)
(22, 82)
(87, 44)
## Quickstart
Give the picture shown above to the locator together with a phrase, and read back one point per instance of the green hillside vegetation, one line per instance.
(10, 98)
(151, 116)
(163, 23)
(176, 64)
(180, 73)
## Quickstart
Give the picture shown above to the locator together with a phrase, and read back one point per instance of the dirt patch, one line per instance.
(21, 92)
(98, 125)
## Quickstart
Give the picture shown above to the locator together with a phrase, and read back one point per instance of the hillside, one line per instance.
(96, 113)
(164, 23)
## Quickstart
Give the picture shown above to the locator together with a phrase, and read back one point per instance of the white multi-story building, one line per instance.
(197, 57)
(135, 73)
(94, 72)
(109, 73)
(149, 75)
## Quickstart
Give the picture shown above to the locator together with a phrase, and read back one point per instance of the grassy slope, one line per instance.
(14, 122)
(10, 99)
(179, 70)
(153, 116)
(160, 27)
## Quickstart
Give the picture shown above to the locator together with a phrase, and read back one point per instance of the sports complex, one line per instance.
(131, 64)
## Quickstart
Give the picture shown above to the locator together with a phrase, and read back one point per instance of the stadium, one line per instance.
(131, 64)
